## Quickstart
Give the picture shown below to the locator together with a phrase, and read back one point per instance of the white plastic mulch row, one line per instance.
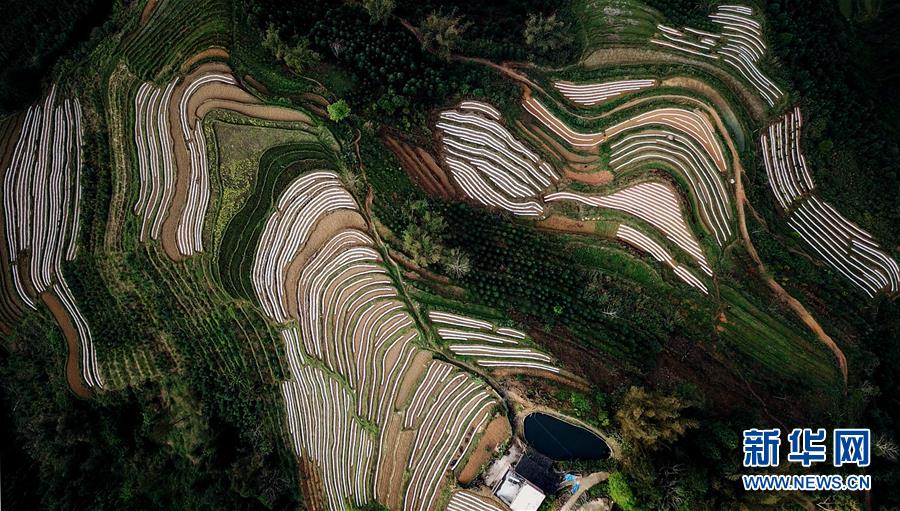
(845, 247)
(785, 165)
(484, 108)
(156, 156)
(690, 122)
(459, 410)
(322, 427)
(589, 94)
(653, 202)
(491, 346)
(643, 242)
(189, 233)
(549, 119)
(490, 165)
(41, 203)
(740, 45)
(682, 154)
(298, 209)
(348, 353)
(462, 500)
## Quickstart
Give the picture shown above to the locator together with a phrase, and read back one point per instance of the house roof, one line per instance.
(538, 469)
(529, 498)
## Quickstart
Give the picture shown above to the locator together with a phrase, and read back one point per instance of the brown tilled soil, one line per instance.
(73, 369)
(256, 84)
(311, 485)
(630, 56)
(529, 126)
(566, 378)
(704, 89)
(168, 234)
(396, 459)
(412, 379)
(661, 116)
(9, 133)
(148, 10)
(421, 167)
(602, 177)
(316, 99)
(207, 54)
(486, 497)
(496, 432)
(566, 224)
(325, 229)
(265, 112)
(215, 91)
(388, 445)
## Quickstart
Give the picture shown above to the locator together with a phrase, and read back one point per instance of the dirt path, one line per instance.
(586, 484)
(780, 292)
(73, 370)
(503, 68)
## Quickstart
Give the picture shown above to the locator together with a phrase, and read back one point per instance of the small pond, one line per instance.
(562, 440)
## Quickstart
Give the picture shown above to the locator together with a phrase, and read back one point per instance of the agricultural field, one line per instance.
(439, 255)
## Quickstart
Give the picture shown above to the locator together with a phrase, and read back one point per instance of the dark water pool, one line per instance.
(561, 440)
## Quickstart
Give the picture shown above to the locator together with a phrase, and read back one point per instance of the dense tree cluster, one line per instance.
(34, 34)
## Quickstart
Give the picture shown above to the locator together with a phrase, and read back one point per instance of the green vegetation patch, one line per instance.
(278, 166)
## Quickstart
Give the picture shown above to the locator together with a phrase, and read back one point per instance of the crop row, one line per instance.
(740, 45)
(489, 163)
(643, 242)
(41, 205)
(156, 156)
(693, 124)
(460, 408)
(785, 165)
(190, 227)
(590, 94)
(297, 211)
(463, 500)
(491, 346)
(843, 245)
(352, 358)
(653, 202)
(682, 154)
(320, 419)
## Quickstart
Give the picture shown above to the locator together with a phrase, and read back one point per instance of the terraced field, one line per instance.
(249, 283)
(684, 142)
(41, 208)
(490, 346)
(353, 360)
(850, 250)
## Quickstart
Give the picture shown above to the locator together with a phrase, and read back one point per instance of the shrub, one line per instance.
(338, 111)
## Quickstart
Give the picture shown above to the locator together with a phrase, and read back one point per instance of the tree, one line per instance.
(648, 420)
(457, 263)
(272, 42)
(620, 491)
(297, 58)
(441, 33)
(300, 57)
(338, 111)
(379, 10)
(544, 35)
